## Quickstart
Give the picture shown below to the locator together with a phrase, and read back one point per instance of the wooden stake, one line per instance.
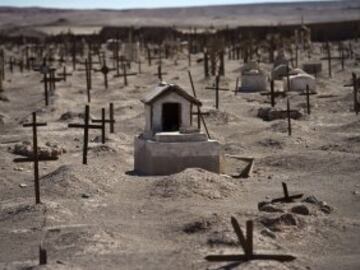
(288, 116)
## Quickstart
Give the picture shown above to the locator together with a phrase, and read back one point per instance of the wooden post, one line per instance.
(329, 57)
(288, 116)
(308, 99)
(124, 73)
(217, 92)
(285, 190)
(86, 133)
(103, 125)
(288, 78)
(272, 94)
(88, 80)
(249, 238)
(149, 56)
(355, 87)
(206, 64)
(42, 255)
(111, 109)
(46, 89)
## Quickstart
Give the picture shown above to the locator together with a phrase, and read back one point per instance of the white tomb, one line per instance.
(169, 143)
(253, 80)
(299, 82)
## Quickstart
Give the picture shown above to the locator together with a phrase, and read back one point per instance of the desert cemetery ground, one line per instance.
(284, 192)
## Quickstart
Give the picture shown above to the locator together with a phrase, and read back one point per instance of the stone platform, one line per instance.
(170, 154)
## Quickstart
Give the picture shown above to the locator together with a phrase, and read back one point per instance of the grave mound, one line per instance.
(270, 114)
(194, 183)
(47, 151)
(66, 181)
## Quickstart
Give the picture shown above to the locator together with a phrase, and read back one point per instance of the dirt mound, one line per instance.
(194, 183)
(270, 114)
(220, 117)
(66, 181)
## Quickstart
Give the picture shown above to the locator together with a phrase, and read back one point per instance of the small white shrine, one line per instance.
(169, 143)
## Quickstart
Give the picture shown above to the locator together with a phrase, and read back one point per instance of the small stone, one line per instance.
(19, 169)
(301, 210)
(311, 199)
(268, 233)
(356, 192)
(326, 209)
(23, 185)
(270, 208)
(85, 196)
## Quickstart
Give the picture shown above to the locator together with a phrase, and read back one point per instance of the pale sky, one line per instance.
(125, 4)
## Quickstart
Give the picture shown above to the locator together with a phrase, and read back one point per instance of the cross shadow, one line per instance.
(229, 266)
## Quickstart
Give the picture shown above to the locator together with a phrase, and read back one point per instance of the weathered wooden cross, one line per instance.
(86, 126)
(217, 89)
(125, 74)
(105, 70)
(160, 73)
(35, 157)
(287, 198)
(246, 243)
(64, 74)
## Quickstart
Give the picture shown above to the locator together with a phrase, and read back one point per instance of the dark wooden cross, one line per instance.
(64, 74)
(86, 126)
(104, 70)
(35, 157)
(287, 198)
(217, 89)
(160, 73)
(246, 243)
(125, 74)
(103, 120)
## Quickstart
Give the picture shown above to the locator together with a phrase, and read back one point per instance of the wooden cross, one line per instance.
(159, 73)
(287, 198)
(64, 74)
(206, 64)
(103, 120)
(125, 74)
(199, 113)
(35, 157)
(217, 89)
(246, 243)
(86, 126)
(328, 49)
(104, 70)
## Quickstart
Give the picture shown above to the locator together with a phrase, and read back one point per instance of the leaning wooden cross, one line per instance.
(160, 73)
(86, 126)
(35, 157)
(287, 198)
(247, 245)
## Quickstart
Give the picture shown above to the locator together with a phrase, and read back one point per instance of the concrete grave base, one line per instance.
(163, 158)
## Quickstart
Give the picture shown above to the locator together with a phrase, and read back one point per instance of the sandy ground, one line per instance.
(103, 216)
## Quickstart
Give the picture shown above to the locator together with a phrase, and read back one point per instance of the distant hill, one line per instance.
(219, 16)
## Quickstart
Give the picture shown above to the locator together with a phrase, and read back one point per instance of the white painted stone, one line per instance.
(298, 82)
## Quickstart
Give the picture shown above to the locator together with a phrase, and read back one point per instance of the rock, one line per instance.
(268, 233)
(270, 114)
(275, 224)
(201, 225)
(85, 196)
(356, 192)
(326, 209)
(19, 169)
(4, 98)
(301, 210)
(311, 199)
(270, 208)
(48, 151)
(23, 185)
